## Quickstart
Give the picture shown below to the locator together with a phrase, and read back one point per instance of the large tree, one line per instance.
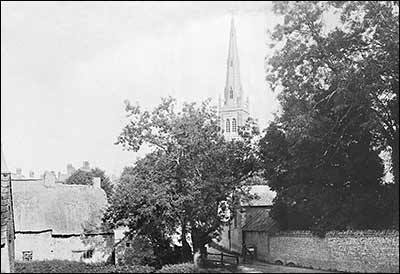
(82, 177)
(191, 170)
(340, 109)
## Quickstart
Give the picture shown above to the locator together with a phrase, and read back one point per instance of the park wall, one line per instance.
(349, 251)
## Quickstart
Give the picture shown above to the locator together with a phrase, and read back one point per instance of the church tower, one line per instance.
(234, 109)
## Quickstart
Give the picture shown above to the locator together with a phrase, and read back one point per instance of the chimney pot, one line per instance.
(49, 178)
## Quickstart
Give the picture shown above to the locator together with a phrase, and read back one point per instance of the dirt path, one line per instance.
(260, 267)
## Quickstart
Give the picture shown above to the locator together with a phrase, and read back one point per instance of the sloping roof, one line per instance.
(5, 198)
(66, 209)
(4, 168)
(5, 202)
(265, 196)
(258, 219)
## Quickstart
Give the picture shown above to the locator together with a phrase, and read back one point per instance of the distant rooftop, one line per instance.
(264, 193)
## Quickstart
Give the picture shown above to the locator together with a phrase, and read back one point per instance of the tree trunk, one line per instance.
(186, 251)
(395, 162)
(199, 242)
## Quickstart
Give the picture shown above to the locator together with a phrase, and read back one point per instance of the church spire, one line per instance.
(234, 110)
(233, 95)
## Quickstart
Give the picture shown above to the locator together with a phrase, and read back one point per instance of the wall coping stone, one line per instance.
(338, 234)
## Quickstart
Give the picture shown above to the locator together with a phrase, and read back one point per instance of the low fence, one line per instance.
(222, 259)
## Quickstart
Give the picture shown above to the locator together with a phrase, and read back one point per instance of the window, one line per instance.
(233, 125)
(27, 256)
(231, 93)
(88, 254)
(228, 125)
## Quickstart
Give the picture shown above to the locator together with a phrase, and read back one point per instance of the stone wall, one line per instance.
(45, 246)
(38, 243)
(350, 251)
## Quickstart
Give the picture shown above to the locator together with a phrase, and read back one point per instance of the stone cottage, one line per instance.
(59, 221)
(7, 220)
(249, 221)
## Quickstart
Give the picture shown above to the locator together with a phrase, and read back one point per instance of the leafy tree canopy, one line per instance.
(339, 98)
(81, 177)
(192, 169)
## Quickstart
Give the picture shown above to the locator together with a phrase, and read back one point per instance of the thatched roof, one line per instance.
(65, 209)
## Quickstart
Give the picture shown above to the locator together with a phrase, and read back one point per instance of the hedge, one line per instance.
(58, 266)
(177, 268)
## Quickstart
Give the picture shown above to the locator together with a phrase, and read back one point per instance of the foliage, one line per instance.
(81, 177)
(177, 268)
(125, 269)
(140, 251)
(339, 98)
(191, 170)
(58, 266)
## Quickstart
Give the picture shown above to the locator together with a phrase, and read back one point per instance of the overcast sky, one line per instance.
(67, 67)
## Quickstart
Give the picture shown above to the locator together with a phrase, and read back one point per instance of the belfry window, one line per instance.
(231, 93)
(233, 125)
(228, 125)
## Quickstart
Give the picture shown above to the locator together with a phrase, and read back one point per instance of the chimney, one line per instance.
(70, 169)
(49, 179)
(86, 166)
(97, 182)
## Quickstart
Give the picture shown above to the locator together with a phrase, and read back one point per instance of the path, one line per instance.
(260, 267)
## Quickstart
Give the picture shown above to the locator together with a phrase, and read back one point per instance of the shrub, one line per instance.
(128, 269)
(54, 266)
(57, 266)
(177, 268)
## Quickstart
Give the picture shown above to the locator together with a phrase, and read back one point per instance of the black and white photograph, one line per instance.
(199, 137)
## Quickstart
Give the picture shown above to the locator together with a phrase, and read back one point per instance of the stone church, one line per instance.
(233, 112)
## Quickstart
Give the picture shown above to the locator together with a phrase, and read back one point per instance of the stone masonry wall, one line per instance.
(46, 247)
(350, 251)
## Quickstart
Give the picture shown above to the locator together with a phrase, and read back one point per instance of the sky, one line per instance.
(67, 67)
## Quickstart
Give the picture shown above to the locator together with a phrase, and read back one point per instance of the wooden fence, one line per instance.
(222, 259)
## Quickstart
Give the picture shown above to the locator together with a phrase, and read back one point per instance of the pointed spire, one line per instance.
(233, 86)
